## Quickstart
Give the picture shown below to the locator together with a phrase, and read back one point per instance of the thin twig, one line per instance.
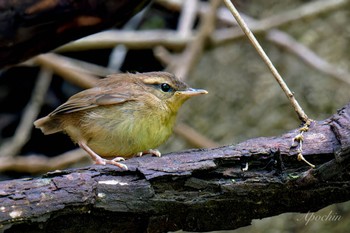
(83, 66)
(183, 64)
(301, 114)
(193, 137)
(53, 62)
(35, 164)
(286, 41)
(308, 56)
(163, 55)
(187, 18)
(131, 39)
(22, 134)
(307, 10)
(119, 52)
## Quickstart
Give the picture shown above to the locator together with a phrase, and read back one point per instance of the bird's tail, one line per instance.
(48, 125)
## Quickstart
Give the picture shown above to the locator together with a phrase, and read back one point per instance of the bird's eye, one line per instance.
(166, 87)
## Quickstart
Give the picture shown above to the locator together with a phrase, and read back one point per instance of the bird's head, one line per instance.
(169, 89)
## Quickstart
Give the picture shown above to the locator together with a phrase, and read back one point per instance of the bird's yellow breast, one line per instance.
(126, 130)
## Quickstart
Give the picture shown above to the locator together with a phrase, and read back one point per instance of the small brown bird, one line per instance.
(124, 115)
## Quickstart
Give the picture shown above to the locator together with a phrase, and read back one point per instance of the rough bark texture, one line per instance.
(30, 27)
(197, 190)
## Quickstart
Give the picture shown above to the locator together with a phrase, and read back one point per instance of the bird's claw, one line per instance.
(118, 159)
(154, 152)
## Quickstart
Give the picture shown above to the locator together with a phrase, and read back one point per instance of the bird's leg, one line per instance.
(154, 152)
(98, 160)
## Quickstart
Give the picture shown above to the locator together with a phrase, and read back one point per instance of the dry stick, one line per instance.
(12, 147)
(301, 114)
(308, 56)
(76, 65)
(306, 10)
(286, 41)
(83, 66)
(193, 137)
(188, 14)
(163, 55)
(35, 164)
(187, 18)
(53, 62)
(182, 65)
(131, 39)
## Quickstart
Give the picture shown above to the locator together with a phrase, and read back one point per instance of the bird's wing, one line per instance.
(88, 99)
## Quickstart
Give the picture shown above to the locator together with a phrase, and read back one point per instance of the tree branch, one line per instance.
(32, 27)
(197, 190)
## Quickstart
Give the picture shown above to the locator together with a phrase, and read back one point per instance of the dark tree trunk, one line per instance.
(197, 190)
(30, 27)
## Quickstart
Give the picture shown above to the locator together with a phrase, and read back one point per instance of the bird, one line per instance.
(124, 115)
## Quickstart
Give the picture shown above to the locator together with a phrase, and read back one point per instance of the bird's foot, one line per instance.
(113, 162)
(98, 160)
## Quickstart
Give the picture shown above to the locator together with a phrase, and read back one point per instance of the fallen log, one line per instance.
(194, 190)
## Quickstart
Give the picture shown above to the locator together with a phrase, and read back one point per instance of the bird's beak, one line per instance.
(191, 92)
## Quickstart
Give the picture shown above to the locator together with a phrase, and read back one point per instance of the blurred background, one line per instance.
(308, 42)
